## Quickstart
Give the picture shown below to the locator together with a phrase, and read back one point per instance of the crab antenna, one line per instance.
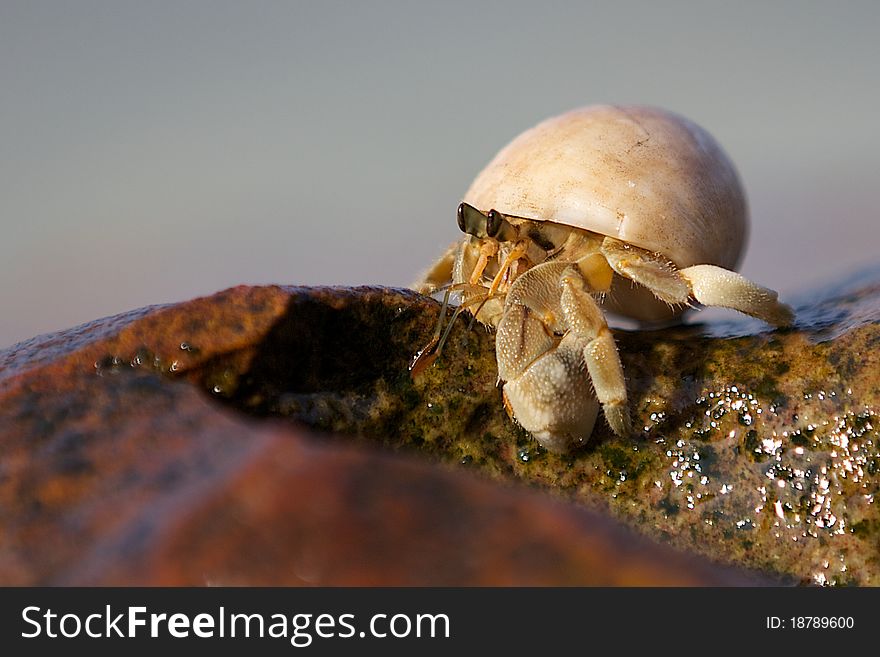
(452, 321)
(477, 311)
(442, 315)
(429, 353)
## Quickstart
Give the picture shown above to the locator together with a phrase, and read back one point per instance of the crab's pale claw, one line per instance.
(554, 385)
(715, 286)
(552, 398)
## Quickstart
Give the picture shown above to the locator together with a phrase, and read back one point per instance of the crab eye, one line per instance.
(499, 227)
(493, 223)
(461, 218)
(471, 220)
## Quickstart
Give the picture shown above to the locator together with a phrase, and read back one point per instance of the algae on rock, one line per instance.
(754, 448)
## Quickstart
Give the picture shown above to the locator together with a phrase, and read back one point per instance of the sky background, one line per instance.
(151, 152)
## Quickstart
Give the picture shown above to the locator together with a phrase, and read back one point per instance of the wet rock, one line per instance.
(172, 439)
(125, 458)
(754, 447)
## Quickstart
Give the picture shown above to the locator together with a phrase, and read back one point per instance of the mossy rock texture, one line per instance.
(141, 441)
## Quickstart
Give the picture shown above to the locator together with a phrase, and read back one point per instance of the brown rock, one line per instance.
(117, 469)
(754, 447)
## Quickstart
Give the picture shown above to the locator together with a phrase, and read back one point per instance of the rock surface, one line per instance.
(233, 439)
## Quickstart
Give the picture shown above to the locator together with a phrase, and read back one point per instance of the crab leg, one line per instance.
(707, 284)
(715, 286)
(546, 386)
(440, 273)
(586, 321)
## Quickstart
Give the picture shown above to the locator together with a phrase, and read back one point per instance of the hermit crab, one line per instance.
(632, 209)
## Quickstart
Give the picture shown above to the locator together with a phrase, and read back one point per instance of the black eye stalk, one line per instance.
(472, 221)
(495, 225)
(500, 228)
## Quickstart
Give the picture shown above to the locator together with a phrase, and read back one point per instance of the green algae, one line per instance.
(757, 449)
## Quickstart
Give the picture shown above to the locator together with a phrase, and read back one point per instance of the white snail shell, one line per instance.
(643, 175)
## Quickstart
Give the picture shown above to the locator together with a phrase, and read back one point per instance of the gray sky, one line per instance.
(155, 151)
